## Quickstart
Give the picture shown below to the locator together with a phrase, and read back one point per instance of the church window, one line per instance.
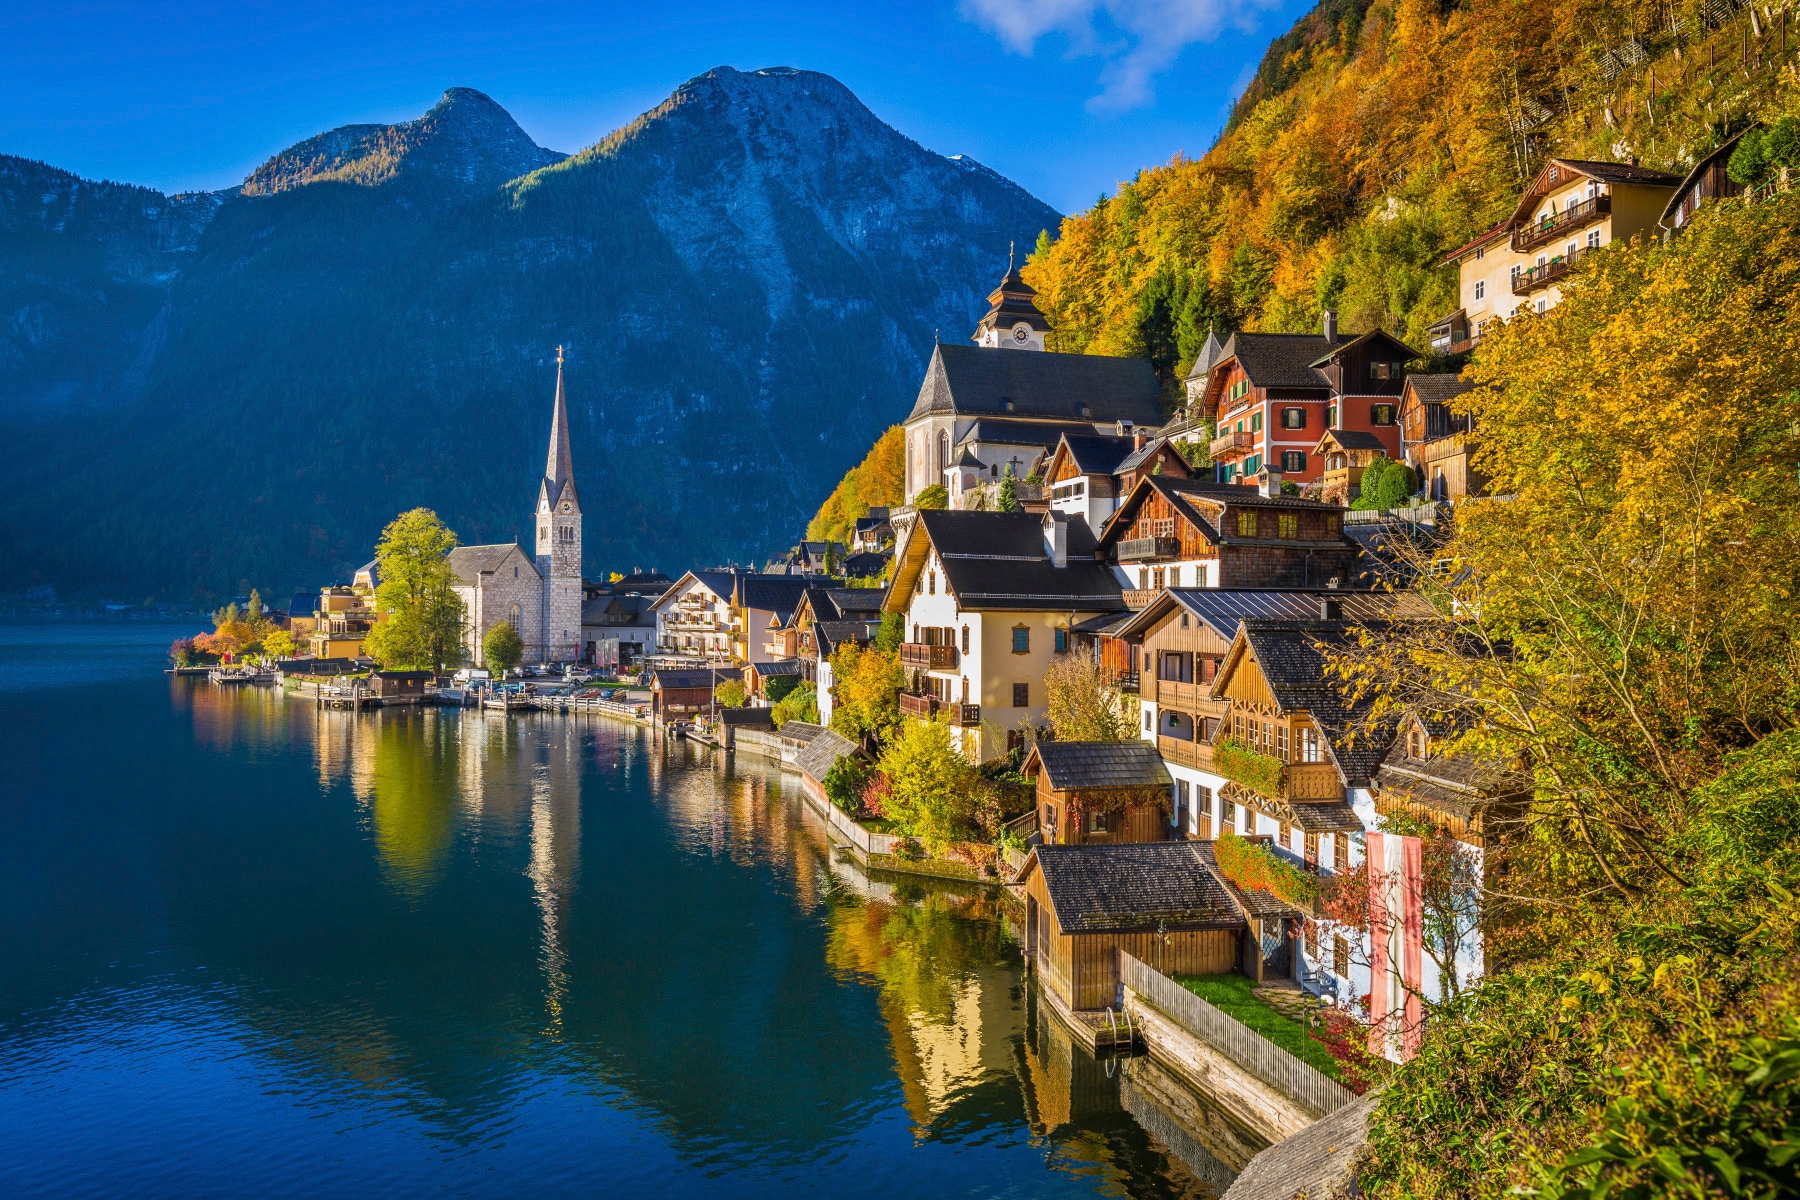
(543, 535)
(943, 456)
(515, 572)
(512, 616)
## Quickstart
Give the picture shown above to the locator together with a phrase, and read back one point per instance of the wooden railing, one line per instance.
(1185, 753)
(966, 715)
(928, 657)
(1187, 695)
(1230, 445)
(1537, 278)
(1300, 1082)
(1140, 597)
(913, 704)
(1576, 216)
(1142, 549)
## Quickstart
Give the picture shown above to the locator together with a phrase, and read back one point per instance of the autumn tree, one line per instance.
(731, 693)
(1083, 709)
(929, 783)
(866, 686)
(422, 625)
(278, 643)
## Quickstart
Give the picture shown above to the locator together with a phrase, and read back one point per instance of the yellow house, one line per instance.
(1571, 207)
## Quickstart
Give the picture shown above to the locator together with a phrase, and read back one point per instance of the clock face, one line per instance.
(565, 506)
(1021, 333)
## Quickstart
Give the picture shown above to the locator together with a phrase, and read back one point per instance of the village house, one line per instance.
(1274, 394)
(539, 595)
(988, 599)
(1162, 902)
(1004, 402)
(1188, 533)
(1092, 793)
(1088, 474)
(618, 629)
(807, 558)
(872, 533)
(762, 609)
(694, 616)
(1438, 440)
(685, 693)
(1570, 207)
(1181, 640)
(1707, 183)
(343, 617)
(768, 682)
(868, 565)
(1345, 455)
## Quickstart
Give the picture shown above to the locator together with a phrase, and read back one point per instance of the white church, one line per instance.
(540, 595)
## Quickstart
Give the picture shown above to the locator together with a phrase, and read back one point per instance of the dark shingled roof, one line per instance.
(1437, 389)
(1293, 663)
(1087, 765)
(1030, 434)
(822, 752)
(1098, 454)
(469, 562)
(1319, 1162)
(1280, 360)
(1613, 172)
(1355, 439)
(779, 666)
(829, 635)
(1223, 608)
(866, 565)
(996, 560)
(801, 732)
(779, 594)
(855, 600)
(304, 604)
(1341, 346)
(693, 677)
(977, 380)
(1134, 886)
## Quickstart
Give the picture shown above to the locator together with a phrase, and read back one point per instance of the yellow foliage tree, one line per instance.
(878, 481)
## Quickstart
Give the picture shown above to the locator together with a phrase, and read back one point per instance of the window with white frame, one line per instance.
(1481, 289)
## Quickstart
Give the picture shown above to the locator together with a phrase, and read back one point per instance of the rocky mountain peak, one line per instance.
(466, 141)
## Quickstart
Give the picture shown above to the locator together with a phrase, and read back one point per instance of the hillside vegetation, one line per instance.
(878, 481)
(1378, 136)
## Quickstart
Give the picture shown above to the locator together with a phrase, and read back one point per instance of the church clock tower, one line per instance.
(558, 522)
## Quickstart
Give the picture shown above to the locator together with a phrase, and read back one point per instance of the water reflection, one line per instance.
(550, 947)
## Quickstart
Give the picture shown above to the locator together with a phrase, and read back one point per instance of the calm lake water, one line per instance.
(252, 949)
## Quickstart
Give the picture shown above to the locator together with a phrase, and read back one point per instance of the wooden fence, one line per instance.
(1303, 1084)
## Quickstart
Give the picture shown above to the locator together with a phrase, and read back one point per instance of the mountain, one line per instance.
(200, 393)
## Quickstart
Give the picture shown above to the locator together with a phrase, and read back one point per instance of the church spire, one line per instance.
(559, 470)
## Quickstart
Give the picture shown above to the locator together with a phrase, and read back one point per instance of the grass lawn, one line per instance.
(1234, 996)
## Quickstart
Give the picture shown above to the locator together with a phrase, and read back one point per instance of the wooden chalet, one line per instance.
(400, 687)
(1421, 779)
(773, 679)
(1346, 454)
(1438, 440)
(1189, 533)
(1088, 474)
(1099, 792)
(1290, 747)
(681, 693)
(829, 617)
(1707, 183)
(1162, 902)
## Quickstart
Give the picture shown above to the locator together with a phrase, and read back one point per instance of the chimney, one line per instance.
(1138, 439)
(1056, 538)
(1330, 324)
(1330, 610)
(1270, 484)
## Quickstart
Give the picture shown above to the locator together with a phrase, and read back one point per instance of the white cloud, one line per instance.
(1137, 39)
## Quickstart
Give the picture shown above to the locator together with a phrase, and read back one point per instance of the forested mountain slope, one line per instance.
(1376, 137)
(198, 394)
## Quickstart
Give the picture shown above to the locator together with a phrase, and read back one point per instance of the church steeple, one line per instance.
(559, 470)
(1013, 320)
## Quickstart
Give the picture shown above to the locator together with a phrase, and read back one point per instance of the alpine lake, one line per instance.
(252, 948)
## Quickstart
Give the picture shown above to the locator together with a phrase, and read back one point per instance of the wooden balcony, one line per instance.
(968, 716)
(912, 704)
(1539, 278)
(927, 657)
(1182, 695)
(1576, 216)
(1185, 753)
(1136, 598)
(1149, 549)
(1229, 446)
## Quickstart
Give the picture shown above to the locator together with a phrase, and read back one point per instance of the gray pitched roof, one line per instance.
(855, 600)
(1098, 765)
(1440, 388)
(693, 677)
(1098, 454)
(1614, 172)
(1374, 335)
(977, 381)
(1134, 886)
(1318, 1162)
(1356, 439)
(992, 431)
(304, 604)
(1280, 360)
(779, 666)
(1209, 354)
(470, 562)
(822, 752)
(779, 594)
(866, 565)
(1223, 608)
(997, 561)
(829, 635)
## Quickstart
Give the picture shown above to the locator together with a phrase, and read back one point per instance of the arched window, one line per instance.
(943, 457)
(512, 616)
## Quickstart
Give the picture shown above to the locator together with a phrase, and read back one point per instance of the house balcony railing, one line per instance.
(914, 704)
(1136, 598)
(1229, 446)
(1185, 753)
(1576, 216)
(927, 657)
(968, 716)
(1538, 278)
(1184, 695)
(1149, 548)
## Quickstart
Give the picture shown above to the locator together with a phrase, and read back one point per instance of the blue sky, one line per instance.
(1064, 96)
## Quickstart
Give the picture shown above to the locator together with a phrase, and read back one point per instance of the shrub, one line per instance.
(1385, 484)
(801, 704)
(1252, 768)
(935, 496)
(1251, 866)
(777, 687)
(845, 781)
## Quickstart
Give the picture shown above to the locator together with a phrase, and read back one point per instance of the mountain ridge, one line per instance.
(748, 278)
